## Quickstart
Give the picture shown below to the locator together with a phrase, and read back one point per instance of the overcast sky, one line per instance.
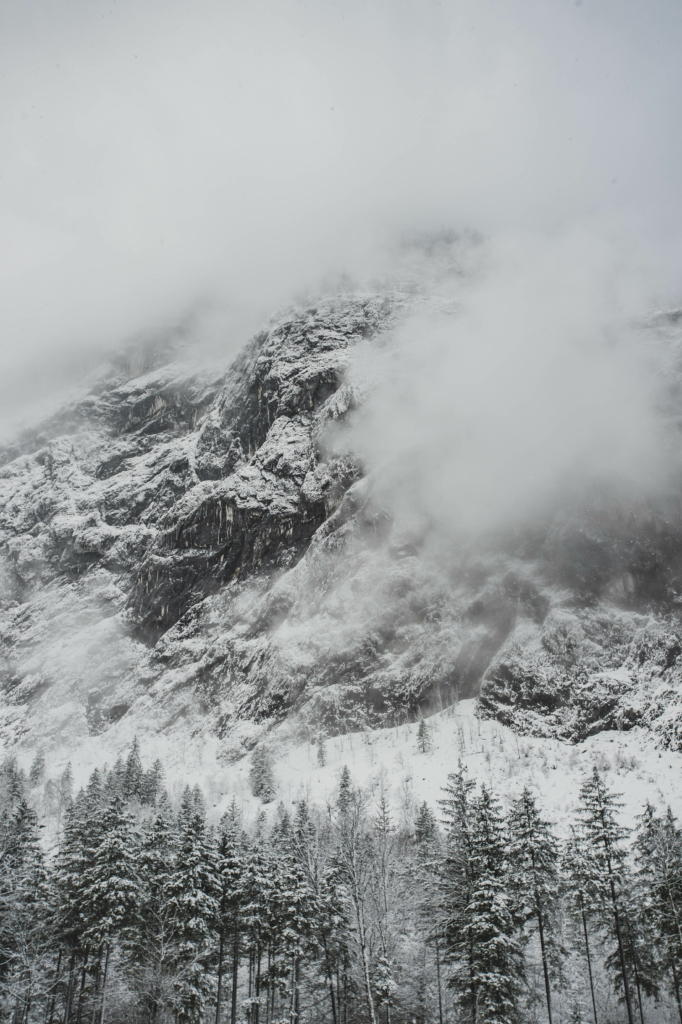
(158, 155)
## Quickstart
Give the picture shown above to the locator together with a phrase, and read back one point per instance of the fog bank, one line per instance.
(160, 158)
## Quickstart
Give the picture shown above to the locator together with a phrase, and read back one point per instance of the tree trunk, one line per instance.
(440, 991)
(104, 984)
(616, 917)
(616, 920)
(95, 1002)
(220, 977)
(545, 967)
(474, 992)
(69, 990)
(294, 990)
(634, 964)
(328, 968)
(82, 989)
(256, 988)
(676, 982)
(362, 938)
(235, 976)
(54, 988)
(589, 961)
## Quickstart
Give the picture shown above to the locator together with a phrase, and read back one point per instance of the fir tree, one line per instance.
(497, 958)
(580, 883)
(485, 959)
(534, 880)
(330, 938)
(658, 894)
(94, 794)
(231, 899)
(12, 784)
(425, 826)
(423, 737)
(152, 784)
(457, 882)
(151, 948)
(601, 839)
(261, 776)
(384, 856)
(65, 786)
(36, 774)
(110, 887)
(24, 913)
(345, 790)
(133, 774)
(353, 862)
(191, 896)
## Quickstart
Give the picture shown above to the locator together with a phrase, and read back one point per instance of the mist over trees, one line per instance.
(147, 911)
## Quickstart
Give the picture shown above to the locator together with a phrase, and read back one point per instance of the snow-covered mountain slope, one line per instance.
(390, 760)
(196, 553)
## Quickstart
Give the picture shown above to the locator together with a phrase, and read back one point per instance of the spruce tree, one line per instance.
(534, 881)
(12, 784)
(427, 880)
(497, 957)
(260, 898)
(70, 912)
(110, 888)
(25, 933)
(191, 896)
(311, 848)
(601, 840)
(36, 774)
(581, 886)
(479, 926)
(231, 898)
(456, 886)
(423, 737)
(425, 826)
(658, 894)
(152, 784)
(261, 776)
(151, 948)
(353, 857)
(133, 774)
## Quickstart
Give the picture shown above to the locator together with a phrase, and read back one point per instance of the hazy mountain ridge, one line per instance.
(198, 547)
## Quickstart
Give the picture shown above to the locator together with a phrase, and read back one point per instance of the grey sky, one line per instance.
(156, 154)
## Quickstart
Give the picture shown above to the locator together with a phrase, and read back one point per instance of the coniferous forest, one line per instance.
(145, 910)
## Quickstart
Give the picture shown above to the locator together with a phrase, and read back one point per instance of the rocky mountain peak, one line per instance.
(185, 545)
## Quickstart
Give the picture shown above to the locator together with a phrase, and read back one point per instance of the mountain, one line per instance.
(199, 551)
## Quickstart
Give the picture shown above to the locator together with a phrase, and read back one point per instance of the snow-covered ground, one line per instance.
(390, 758)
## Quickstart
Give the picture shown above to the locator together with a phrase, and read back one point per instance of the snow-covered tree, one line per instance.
(151, 947)
(191, 898)
(24, 914)
(658, 896)
(261, 775)
(601, 841)
(484, 957)
(534, 881)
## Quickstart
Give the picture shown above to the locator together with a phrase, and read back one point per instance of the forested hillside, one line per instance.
(145, 909)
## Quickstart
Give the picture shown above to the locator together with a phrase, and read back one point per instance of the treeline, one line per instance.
(147, 912)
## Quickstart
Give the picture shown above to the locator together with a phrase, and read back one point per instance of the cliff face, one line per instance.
(198, 547)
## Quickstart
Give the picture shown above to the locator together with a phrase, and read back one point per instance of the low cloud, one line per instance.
(540, 379)
(163, 157)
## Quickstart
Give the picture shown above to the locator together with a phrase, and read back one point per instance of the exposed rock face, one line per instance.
(189, 546)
